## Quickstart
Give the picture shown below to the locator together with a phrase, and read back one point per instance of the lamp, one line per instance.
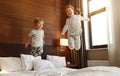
(63, 43)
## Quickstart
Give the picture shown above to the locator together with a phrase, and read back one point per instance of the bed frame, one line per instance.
(14, 50)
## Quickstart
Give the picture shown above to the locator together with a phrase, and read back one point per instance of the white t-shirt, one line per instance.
(37, 37)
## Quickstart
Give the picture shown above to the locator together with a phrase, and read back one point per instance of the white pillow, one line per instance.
(27, 61)
(11, 64)
(57, 60)
(42, 65)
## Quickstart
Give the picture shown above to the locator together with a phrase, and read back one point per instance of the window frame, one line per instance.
(90, 29)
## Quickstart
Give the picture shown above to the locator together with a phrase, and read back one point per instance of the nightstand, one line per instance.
(76, 66)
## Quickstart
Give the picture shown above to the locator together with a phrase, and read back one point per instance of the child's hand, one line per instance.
(88, 19)
(62, 33)
(26, 45)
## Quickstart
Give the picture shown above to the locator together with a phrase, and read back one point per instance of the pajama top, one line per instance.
(37, 37)
(73, 25)
(74, 30)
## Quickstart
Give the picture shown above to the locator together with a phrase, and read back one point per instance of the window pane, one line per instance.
(98, 26)
(95, 5)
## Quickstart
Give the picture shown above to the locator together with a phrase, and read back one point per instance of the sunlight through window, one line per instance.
(96, 31)
(95, 5)
(98, 24)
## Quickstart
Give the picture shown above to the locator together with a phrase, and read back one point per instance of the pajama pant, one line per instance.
(74, 42)
(37, 51)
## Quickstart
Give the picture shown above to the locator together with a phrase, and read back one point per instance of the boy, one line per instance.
(36, 37)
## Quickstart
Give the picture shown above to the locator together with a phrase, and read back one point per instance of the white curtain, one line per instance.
(113, 12)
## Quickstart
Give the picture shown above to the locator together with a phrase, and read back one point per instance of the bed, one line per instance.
(27, 65)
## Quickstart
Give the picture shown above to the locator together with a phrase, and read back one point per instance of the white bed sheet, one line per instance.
(18, 73)
(49, 72)
(90, 71)
(96, 71)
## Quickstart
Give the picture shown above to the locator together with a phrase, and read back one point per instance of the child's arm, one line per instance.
(43, 36)
(28, 41)
(65, 28)
(43, 40)
(84, 19)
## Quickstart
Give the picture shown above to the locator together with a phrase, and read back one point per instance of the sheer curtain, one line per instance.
(113, 12)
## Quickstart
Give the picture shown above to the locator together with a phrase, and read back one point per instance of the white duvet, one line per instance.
(18, 73)
(89, 71)
(48, 72)
(96, 71)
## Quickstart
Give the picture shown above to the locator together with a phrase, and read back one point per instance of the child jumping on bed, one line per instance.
(36, 37)
(73, 27)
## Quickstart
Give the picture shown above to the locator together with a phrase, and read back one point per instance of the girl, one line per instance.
(73, 27)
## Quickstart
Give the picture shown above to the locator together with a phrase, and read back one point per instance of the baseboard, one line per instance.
(98, 63)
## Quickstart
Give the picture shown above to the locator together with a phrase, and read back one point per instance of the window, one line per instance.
(97, 28)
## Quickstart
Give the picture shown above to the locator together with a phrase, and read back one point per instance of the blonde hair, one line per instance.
(69, 6)
(37, 19)
(77, 10)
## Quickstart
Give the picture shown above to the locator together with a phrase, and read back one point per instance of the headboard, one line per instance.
(14, 50)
